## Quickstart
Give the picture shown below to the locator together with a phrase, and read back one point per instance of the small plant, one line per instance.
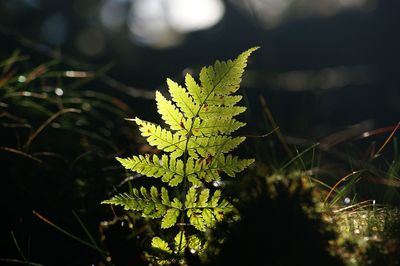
(196, 151)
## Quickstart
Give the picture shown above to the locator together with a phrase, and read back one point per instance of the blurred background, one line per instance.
(324, 64)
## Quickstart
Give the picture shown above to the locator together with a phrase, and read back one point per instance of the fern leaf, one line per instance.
(194, 243)
(195, 90)
(170, 218)
(170, 114)
(224, 112)
(153, 205)
(203, 198)
(208, 218)
(162, 138)
(154, 194)
(124, 200)
(223, 78)
(196, 219)
(218, 125)
(165, 197)
(160, 244)
(218, 214)
(144, 193)
(176, 203)
(232, 164)
(178, 167)
(180, 242)
(223, 100)
(214, 199)
(206, 146)
(209, 169)
(191, 198)
(182, 99)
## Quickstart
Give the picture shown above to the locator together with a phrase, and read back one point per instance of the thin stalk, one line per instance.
(18, 247)
(48, 121)
(83, 242)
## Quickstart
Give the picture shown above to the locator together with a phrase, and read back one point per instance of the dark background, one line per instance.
(323, 65)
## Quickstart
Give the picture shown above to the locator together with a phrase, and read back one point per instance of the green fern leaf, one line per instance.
(224, 77)
(196, 219)
(194, 243)
(162, 138)
(224, 100)
(160, 244)
(208, 218)
(180, 242)
(223, 112)
(151, 205)
(169, 169)
(218, 125)
(154, 194)
(215, 199)
(159, 211)
(203, 198)
(182, 99)
(165, 197)
(144, 193)
(125, 201)
(170, 218)
(170, 114)
(232, 164)
(191, 198)
(176, 203)
(209, 170)
(210, 146)
(195, 90)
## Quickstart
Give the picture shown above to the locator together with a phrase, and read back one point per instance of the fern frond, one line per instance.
(203, 212)
(170, 113)
(231, 164)
(210, 146)
(191, 198)
(194, 243)
(224, 77)
(150, 204)
(224, 112)
(196, 146)
(196, 219)
(152, 166)
(161, 138)
(195, 90)
(218, 125)
(209, 170)
(215, 198)
(182, 99)
(160, 244)
(170, 218)
(223, 100)
(180, 242)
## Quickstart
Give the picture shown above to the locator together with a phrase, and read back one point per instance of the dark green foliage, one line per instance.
(55, 144)
(281, 224)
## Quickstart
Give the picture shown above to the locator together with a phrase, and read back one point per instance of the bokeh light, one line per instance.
(161, 24)
(113, 14)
